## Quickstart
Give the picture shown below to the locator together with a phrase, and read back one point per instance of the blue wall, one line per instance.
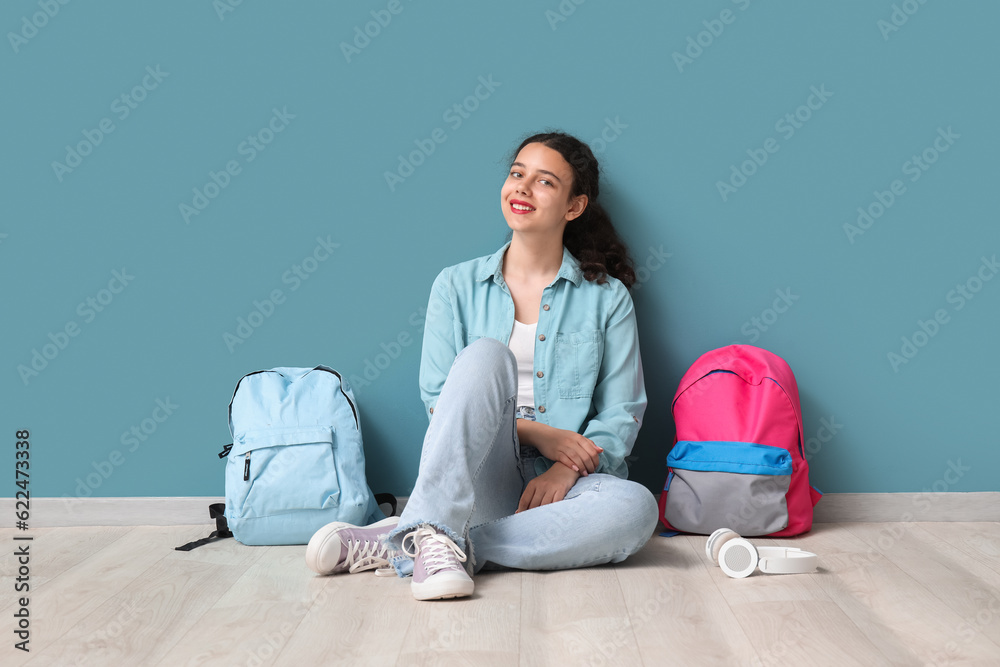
(836, 102)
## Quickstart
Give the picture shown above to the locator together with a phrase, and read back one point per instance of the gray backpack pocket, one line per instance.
(737, 485)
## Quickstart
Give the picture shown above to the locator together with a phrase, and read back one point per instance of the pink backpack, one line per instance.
(737, 461)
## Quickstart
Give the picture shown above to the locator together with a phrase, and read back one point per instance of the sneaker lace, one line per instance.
(368, 555)
(439, 551)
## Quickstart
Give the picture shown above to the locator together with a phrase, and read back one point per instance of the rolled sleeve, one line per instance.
(439, 347)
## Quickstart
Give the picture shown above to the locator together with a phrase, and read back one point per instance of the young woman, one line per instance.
(531, 376)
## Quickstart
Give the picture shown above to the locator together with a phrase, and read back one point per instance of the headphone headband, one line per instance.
(785, 560)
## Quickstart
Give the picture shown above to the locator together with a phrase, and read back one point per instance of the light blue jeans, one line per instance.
(473, 470)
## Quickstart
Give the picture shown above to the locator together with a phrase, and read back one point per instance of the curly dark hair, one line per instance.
(591, 238)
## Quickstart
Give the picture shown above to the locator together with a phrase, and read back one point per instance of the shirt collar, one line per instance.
(493, 267)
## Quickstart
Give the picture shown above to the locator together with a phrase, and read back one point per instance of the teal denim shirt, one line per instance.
(588, 374)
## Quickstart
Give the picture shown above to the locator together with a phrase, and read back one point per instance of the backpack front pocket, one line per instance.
(283, 470)
(737, 485)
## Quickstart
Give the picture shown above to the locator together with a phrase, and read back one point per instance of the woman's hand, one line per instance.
(574, 451)
(549, 487)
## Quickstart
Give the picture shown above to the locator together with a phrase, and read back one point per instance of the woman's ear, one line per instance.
(577, 207)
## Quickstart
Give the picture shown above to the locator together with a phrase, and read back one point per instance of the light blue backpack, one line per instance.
(296, 462)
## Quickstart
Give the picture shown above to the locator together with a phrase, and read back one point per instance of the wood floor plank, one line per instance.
(677, 613)
(54, 551)
(806, 632)
(979, 540)
(74, 593)
(959, 582)
(897, 613)
(252, 622)
(573, 617)
(480, 630)
(355, 619)
(253, 634)
(158, 598)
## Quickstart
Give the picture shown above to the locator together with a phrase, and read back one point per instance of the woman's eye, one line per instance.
(548, 183)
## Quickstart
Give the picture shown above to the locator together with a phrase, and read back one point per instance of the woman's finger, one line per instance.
(567, 461)
(577, 462)
(525, 502)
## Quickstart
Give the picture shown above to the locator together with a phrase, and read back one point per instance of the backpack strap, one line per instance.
(386, 499)
(217, 511)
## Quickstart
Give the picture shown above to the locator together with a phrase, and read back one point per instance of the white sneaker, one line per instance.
(437, 566)
(341, 547)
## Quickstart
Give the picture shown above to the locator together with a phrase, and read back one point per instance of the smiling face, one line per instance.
(536, 195)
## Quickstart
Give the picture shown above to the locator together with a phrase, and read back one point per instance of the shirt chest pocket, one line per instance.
(577, 361)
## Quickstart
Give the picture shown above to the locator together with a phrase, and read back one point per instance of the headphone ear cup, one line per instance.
(738, 558)
(716, 540)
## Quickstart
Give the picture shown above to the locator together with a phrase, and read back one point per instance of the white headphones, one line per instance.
(738, 558)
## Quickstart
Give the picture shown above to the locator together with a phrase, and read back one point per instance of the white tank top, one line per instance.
(522, 344)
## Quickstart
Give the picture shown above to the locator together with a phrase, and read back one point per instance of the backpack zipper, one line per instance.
(354, 410)
(246, 469)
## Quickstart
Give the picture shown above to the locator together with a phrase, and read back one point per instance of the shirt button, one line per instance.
(540, 374)
(545, 307)
(541, 408)
(432, 410)
(541, 337)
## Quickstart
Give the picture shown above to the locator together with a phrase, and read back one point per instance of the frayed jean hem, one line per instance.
(402, 563)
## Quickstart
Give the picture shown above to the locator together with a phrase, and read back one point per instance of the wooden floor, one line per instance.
(885, 594)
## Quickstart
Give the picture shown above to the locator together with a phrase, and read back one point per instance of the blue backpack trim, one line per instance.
(725, 456)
